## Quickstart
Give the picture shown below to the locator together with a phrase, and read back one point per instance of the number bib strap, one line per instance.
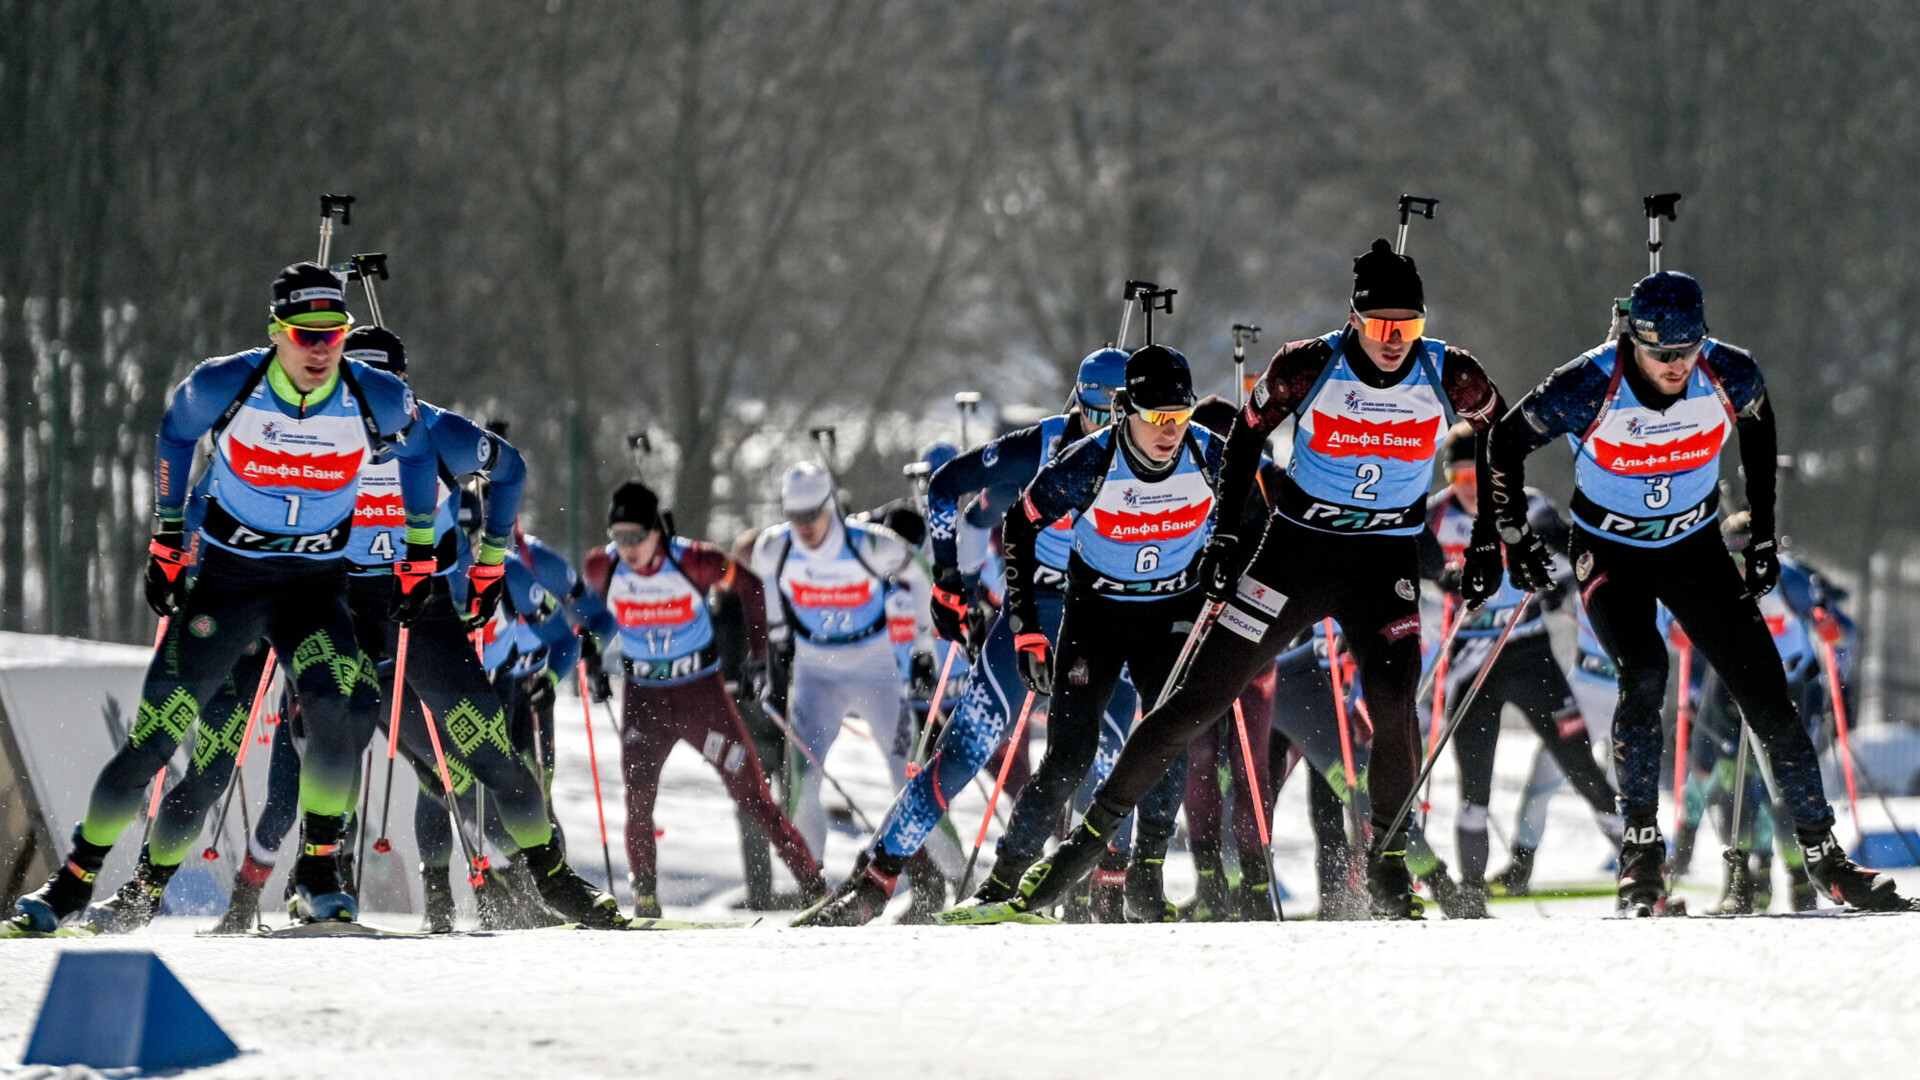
(224, 529)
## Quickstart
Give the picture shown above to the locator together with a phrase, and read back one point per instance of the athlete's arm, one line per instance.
(192, 409)
(766, 567)
(466, 449)
(1066, 485)
(999, 468)
(745, 584)
(1278, 392)
(1563, 404)
(394, 413)
(1759, 438)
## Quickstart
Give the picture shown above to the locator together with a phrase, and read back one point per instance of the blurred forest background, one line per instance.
(725, 222)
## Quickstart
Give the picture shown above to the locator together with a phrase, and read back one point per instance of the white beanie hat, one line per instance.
(805, 488)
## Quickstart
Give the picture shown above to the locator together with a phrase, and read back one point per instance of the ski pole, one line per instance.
(393, 736)
(1459, 714)
(814, 760)
(999, 784)
(240, 759)
(1881, 793)
(1243, 333)
(1736, 860)
(967, 402)
(1446, 646)
(328, 204)
(1259, 807)
(1682, 734)
(1409, 206)
(1346, 737)
(1439, 680)
(1829, 632)
(476, 860)
(593, 764)
(933, 713)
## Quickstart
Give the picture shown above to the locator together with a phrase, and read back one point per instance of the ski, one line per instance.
(684, 924)
(336, 928)
(14, 930)
(1594, 891)
(988, 914)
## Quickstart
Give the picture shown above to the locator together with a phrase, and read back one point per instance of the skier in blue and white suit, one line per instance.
(991, 694)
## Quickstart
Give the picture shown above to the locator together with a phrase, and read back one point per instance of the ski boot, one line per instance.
(996, 889)
(1465, 900)
(1517, 878)
(1340, 901)
(1211, 898)
(1107, 889)
(646, 897)
(243, 903)
(65, 893)
(1761, 876)
(1389, 884)
(1078, 908)
(1146, 886)
(529, 912)
(1256, 894)
(1642, 885)
(439, 917)
(1048, 881)
(861, 898)
(927, 887)
(569, 894)
(319, 892)
(1802, 896)
(1737, 897)
(1844, 881)
(135, 905)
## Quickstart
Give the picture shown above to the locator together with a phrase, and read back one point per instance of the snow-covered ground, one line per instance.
(1567, 994)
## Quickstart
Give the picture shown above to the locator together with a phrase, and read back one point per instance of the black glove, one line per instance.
(949, 608)
(1763, 566)
(599, 687)
(1220, 566)
(921, 676)
(539, 690)
(1480, 573)
(166, 573)
(485, 586)
(1529, 564)
(1034, 654)
(412, 585)
(779, 680)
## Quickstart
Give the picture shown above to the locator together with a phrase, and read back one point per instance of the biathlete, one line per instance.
(656, 586)
(1372, 401)
(1649, 414)
(292, 427)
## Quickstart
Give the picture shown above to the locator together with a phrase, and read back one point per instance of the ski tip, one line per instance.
(686, 924)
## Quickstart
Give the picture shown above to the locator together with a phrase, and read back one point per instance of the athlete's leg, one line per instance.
(1086, 667)
(723, 741)
(647, 735)
(1711, 603)
(1620, 604)
(819, 703)
(223, 724)
(1474, 743)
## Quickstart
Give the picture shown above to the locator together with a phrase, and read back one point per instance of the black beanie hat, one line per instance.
(307, 289)
(1384, 281)
(634, 503)
(377, 346)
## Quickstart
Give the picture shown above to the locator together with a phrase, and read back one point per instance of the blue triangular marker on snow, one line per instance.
(112, 1010)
